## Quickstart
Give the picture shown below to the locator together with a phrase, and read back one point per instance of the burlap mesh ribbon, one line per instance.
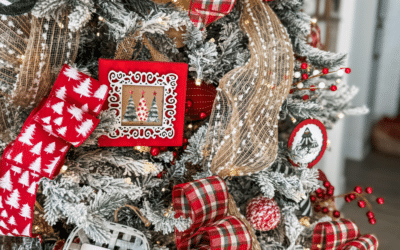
(50, 45)
(32, 52)
(243, 133)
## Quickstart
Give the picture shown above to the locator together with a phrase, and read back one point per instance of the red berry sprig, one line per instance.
(324, 195)
(306, 76)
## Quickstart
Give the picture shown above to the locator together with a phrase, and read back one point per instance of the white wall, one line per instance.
(360, 61)
(385, 100)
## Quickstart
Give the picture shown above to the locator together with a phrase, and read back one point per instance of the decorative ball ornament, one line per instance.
(163, 148)
(296, 74)
(325, 71)
(304, 65)
(312, 88)
(304, 76)
(372, 221)
(202, 99)
(347, 70)
(263, 214)
(306, 97)
(370, 215)
(369, 190)
(333, 88)
(307, 143)
(155, 151)
(189, 103)
(361, 204)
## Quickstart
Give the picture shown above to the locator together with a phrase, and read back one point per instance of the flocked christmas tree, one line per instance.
(153, 113)
(101, 180)
(307, 143)
(130, 113)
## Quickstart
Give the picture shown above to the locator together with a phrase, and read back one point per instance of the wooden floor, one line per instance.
(382, 173)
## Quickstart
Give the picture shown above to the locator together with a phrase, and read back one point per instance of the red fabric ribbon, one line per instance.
(65, 118)
(204, 12)
(341, 235)
(205, 202)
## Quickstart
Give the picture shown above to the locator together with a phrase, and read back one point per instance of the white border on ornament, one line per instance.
(168, 81)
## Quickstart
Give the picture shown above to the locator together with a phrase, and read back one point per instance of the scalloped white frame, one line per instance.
(168, 81)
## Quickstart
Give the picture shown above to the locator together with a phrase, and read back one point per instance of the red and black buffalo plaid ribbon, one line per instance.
(341, 235)
(204, 12)
(205, 202)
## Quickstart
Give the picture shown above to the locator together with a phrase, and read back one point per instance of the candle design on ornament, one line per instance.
(142, 109)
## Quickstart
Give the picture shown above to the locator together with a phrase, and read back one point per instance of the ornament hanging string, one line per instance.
(243, 132)
(136, 210)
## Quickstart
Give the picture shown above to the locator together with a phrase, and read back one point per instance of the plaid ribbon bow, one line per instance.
(205, 202)
(204, 12)
(341, 235)
(65, 118)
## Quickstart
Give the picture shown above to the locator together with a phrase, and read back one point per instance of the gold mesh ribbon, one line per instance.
(243, 133)
(50, 45)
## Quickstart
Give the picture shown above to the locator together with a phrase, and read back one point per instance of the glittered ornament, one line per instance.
(263, 214)
(201, 100)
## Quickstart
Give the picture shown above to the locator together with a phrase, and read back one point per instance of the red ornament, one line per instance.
(336, 214)
(325, 71)
(263, 214)
(370, 214)
(160, 175)
(304, 65)
(325, 210)
(352, 197)
(174, 154)
(331, 192)
(369, 190)
(312, 88)
(189, 103)
(313, 198)
(358, 189)
(203, 115)
(155, 151)
(163, 148)
(372, 221)
(306, 97)
(327, 184)
(333, 88)
(320, 195)
(291, 91)
(59, 245)
(361, 204)
(317, 208)
(202, 98)
(185, 140)
(347, 70)
(304, 76)
(318, 191)
(380, 200)
(347, 199)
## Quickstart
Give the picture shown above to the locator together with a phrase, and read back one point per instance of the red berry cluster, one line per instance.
(362, 202)
(321, 196)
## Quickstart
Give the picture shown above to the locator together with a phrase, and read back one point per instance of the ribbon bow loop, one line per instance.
(341, 235)
(205, 202)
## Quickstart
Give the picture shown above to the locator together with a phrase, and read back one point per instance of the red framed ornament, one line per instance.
(148, 99)
(309, 139)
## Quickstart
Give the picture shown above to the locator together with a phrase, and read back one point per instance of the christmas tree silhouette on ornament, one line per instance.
(307, 145)
(153, 113)
(130, 113)
(142, 109)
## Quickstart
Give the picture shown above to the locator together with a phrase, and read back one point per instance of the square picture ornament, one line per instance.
(148, 99)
